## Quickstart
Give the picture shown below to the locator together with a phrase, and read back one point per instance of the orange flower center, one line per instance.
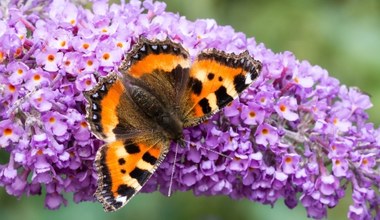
(83, 124)
(20, 71)
(11, 88)
(1, 56)
(37, 77)
(106, 56)
(8, 132)
(252, 114)
(51, 57)
(365, 161)
(40, 152)
(282, 108)
(119, 44)
(335, 121)
(85, 46)
(89, 62)
(265, 131)
(18, 51)
(52, 120)
(63, 43)
(288, 160)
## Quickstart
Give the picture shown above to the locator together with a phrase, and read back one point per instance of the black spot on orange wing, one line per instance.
(195, 85)
(239, 83)
(210, 76)
(121, 161)
(222, 97)
(140, 175)
(125, 190)
(205, 105)
(132, 148)
(147, 157)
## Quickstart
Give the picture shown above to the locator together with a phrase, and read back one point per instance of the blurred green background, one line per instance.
(341, 36)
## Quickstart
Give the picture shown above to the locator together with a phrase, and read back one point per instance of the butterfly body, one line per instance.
(159, 93)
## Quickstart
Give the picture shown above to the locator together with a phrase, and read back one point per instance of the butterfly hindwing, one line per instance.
(124, 166)
(217, 78)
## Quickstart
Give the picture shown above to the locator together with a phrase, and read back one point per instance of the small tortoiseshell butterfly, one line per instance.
(159, 93)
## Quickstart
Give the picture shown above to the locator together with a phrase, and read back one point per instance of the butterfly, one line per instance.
(157, 92)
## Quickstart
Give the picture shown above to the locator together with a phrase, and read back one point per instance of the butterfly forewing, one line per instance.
(160, 67)
(217, 78)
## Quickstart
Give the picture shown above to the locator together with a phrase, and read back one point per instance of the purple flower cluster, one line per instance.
(295, 134)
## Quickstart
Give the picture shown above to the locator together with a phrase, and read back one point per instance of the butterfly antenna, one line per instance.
(173, 169)
(211, 150)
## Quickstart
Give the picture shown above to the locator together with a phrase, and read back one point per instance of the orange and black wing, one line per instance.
(132, 151)
(159, 67)
(111, 112)
(216, 78)
(124, 166)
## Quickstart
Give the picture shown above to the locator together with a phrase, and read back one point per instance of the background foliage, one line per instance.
(342, 36)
